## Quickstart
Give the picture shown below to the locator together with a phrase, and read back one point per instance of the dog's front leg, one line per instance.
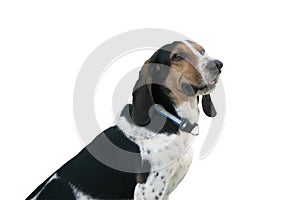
(184, 163)
(155, 188)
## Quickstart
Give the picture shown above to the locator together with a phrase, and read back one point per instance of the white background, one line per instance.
(44, 43)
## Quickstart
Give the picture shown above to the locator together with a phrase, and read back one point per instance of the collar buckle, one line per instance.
(183, 123)
(186, 126)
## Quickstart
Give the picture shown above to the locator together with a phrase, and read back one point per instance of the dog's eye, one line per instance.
(202, 52)
(177, 57)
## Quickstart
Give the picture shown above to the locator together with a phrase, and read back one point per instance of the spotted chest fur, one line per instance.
(169, 156)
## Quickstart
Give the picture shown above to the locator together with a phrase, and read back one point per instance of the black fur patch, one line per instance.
(94, 178)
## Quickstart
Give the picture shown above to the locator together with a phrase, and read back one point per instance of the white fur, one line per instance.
(192, 48)
(79, 195)
(189, 110)
(53, 177)
(202, 59)
(169, 155)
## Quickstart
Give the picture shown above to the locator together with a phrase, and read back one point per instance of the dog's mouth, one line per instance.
(192, 90)
(206, 89)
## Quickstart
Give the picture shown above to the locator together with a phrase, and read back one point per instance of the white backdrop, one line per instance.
(43, 45)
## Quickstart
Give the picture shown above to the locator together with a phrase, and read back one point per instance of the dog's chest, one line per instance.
(163, 150)
(170, 158)
(160, 150)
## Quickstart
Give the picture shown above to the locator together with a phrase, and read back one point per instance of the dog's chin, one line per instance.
(192, 90)
(207, 89)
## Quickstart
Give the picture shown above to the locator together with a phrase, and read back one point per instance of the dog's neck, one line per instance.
(182, 106)
(189, 110)
(179, 108)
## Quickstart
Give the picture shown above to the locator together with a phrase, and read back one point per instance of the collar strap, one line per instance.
(183, 123)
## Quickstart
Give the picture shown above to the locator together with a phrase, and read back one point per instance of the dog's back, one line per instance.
(85, 175)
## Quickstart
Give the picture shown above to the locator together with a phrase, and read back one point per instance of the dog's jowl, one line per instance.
(149, 146)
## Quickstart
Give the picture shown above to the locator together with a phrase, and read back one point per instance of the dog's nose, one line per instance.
(214, 66)
(219, 64)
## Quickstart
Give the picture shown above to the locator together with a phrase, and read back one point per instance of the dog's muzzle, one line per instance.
(215, 66)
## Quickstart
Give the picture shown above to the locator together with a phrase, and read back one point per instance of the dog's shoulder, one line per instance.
(108, 149)
(110, 158)
(118, 138)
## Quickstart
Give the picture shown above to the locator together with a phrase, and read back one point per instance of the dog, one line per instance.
(147, 153)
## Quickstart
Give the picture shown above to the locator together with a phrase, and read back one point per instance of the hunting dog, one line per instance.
(147, 153)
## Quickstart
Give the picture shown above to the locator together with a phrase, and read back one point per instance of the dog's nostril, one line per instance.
(219, 64)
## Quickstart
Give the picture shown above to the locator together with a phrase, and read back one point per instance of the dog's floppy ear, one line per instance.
(208, 106)
(155, 71)
(141, 98)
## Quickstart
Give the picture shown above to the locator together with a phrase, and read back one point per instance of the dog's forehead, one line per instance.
(182, 45)
(189, 46)
(186, 47)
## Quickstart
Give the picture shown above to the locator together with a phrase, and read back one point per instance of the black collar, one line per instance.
(164, 122)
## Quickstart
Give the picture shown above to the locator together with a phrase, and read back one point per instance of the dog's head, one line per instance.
(176, 73)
